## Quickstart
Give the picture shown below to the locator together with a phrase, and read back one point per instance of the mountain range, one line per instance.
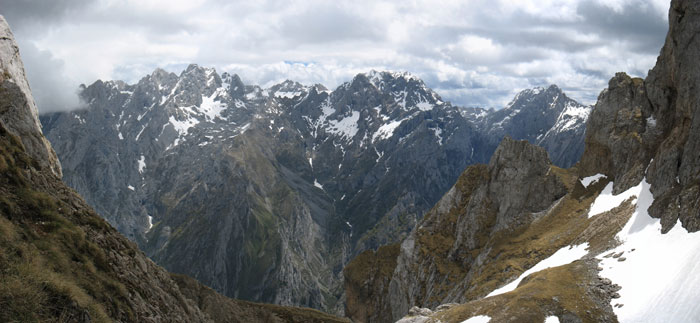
(61, 262)
(232, 191)
(265, 194)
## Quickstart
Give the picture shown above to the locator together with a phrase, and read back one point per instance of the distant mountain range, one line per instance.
(265, 194)
(61, 262)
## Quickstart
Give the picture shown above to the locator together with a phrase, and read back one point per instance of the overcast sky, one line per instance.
(472, 52)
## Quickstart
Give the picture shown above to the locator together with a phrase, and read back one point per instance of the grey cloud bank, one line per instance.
(474, 53)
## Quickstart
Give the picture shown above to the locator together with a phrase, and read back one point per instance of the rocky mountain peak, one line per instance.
(288, 89)
(235, 84)
(516, 164)
(538, 94)
(543, 116)
(518, 152)
(381, 78)
(161, 78)
(18, 111)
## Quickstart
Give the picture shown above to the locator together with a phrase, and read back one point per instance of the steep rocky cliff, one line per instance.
(19, 112)
(610, 239)
(61, 262)
(655, 123)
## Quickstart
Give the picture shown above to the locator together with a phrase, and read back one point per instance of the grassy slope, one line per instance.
(223, 309)
(48, 269)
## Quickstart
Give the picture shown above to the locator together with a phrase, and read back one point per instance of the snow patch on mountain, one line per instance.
(572, 116)
(210, 107)
(150, 223)
(287, 95)
(478, 319)
(346, 127)
(386, 130)
(424, 106)
(183, 126)
(606, 201)
(438, 134)
(142, 163)
(657, 272)
(591, 179)
(562, 257)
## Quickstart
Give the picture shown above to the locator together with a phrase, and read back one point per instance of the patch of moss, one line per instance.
(372, 264)
(367, 279)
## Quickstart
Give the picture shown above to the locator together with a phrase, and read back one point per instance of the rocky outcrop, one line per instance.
(18, 112)
(672, 90)
(655, 122)
(619, 127)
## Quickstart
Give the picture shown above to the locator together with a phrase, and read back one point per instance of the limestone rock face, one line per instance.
(521, 183)
(620, 128)
(18, 111)
(672, 88)
(655, 122)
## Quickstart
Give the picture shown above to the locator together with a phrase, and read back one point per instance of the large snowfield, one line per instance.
(659, 274)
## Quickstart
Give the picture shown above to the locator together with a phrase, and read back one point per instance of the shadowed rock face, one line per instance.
(618, 130)
(521, 183)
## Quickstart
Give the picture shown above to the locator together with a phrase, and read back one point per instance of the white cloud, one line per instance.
(476, 53)
(52, 88)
